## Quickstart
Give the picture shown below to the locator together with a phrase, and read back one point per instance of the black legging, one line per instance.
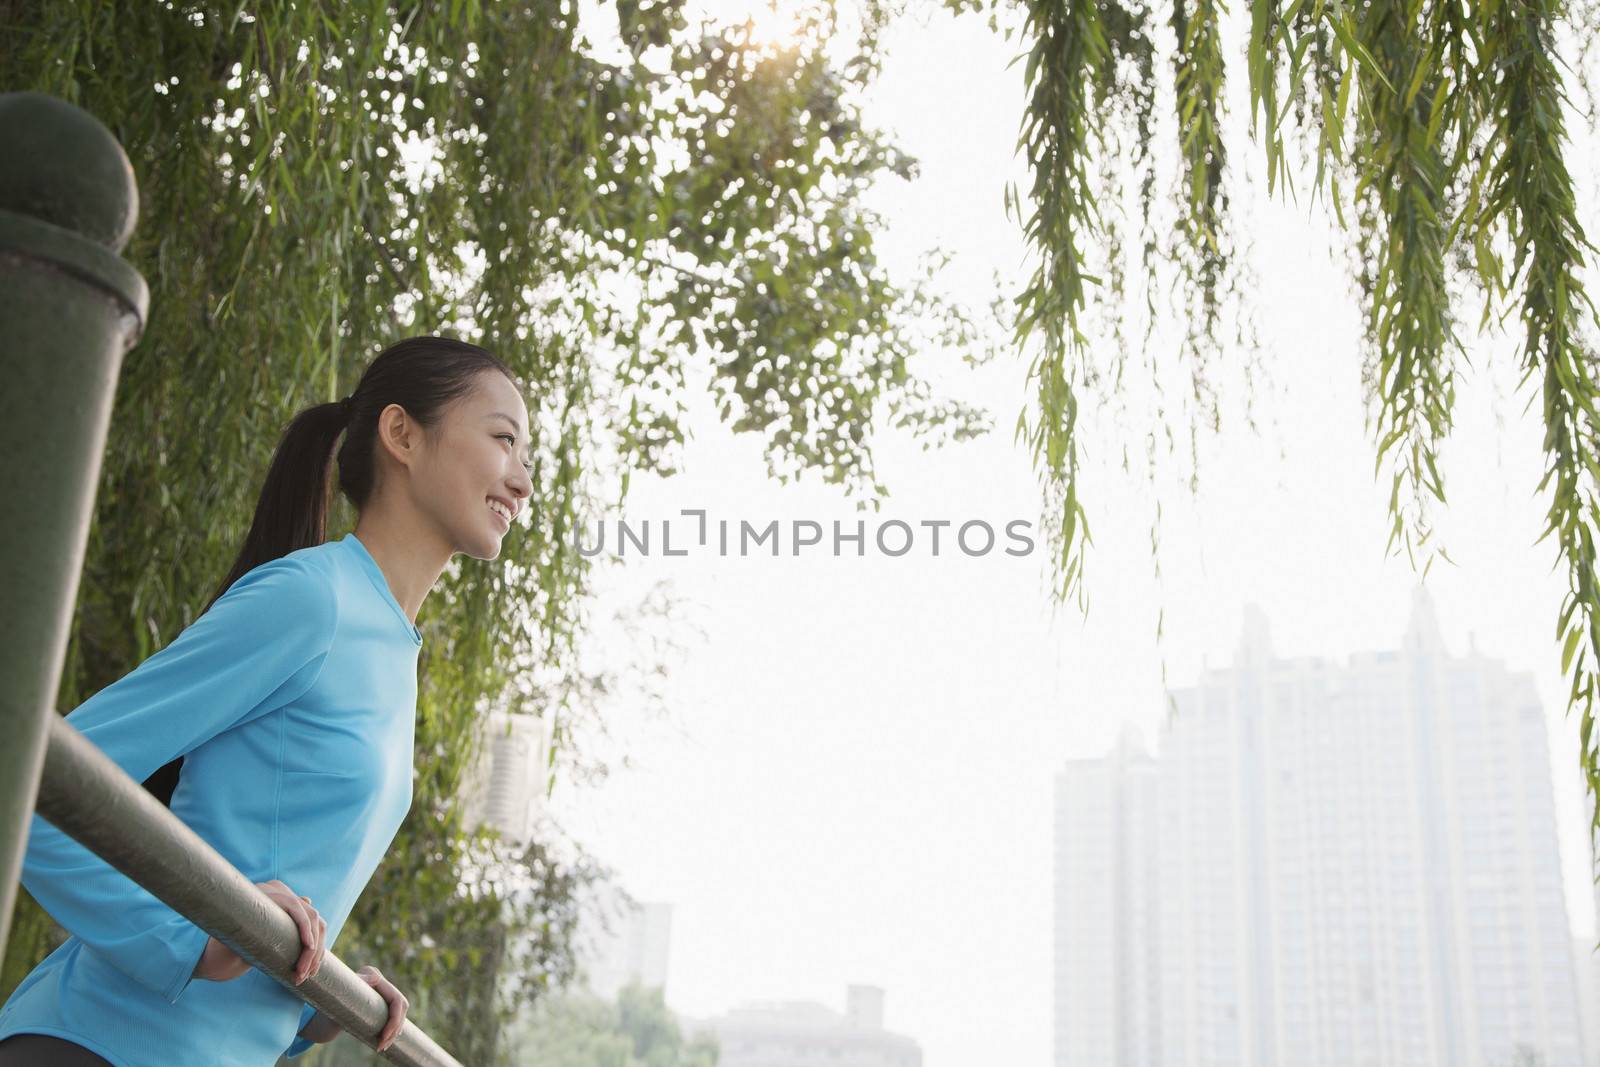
(43, 1050)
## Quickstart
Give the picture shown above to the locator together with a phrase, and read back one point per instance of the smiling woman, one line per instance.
(290, 704)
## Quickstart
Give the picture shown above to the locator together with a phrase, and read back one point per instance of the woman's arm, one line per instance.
(321, 1029)
(261, 645)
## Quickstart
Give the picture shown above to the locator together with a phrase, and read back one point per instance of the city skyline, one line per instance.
(1320, 864)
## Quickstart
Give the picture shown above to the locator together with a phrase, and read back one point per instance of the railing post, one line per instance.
(70, 308)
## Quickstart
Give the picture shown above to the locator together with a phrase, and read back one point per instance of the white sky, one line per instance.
(855, 785)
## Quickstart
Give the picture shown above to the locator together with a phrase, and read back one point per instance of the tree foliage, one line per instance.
(1438, 132)
(319, 179)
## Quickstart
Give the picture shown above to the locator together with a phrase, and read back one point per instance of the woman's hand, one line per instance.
(321, 1029)
(393, 997)
(219, 963)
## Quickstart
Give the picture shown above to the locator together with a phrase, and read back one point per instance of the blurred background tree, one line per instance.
(578, 1029)
(622, 225)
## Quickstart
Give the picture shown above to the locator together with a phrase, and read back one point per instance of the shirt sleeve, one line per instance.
(300, 1044)
(259, 647)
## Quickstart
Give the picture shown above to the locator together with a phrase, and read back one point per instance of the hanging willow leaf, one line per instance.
(1066, 63)
(1439, 137)
(1528, 195)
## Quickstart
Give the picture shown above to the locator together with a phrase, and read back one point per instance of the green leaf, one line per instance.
(1570, 647)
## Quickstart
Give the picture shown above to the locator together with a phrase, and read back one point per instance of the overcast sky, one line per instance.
(855, 782)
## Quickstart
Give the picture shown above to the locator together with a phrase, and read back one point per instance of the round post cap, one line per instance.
(62, 166)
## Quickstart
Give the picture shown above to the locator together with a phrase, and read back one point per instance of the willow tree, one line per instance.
(318, 179)
(1438, 133)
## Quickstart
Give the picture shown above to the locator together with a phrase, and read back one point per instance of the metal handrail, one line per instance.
(94, 801)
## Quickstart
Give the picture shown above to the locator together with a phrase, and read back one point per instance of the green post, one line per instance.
(69, 309)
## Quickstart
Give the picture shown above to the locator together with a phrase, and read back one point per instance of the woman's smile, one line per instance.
(501, 511)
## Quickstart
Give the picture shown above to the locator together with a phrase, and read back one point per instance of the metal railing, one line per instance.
(72, 308)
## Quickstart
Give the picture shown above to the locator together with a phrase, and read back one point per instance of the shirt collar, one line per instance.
(380, 583)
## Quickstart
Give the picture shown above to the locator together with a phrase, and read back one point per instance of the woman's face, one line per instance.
(472, 471)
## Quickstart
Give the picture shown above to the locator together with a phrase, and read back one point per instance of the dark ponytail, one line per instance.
(293, 509)
(421, 374)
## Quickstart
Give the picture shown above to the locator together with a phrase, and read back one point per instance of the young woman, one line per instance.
(292, 699)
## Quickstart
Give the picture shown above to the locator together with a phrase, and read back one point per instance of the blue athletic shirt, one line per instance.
(293, 702)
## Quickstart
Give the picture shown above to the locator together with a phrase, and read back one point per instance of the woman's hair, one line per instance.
(421, 374)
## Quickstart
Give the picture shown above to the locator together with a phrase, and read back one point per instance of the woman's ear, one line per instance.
(399, 434)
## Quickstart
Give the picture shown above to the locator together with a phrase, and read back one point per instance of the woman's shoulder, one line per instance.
(300, 587)
(307, 567)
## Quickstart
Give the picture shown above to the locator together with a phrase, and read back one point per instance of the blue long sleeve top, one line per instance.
(293, 702)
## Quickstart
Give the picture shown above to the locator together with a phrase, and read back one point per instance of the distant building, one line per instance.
(505, 786)
(1584, 948)
(1107, 898)
(1589, 997)
(807, 1034)
(633, 950)
(1323, 866)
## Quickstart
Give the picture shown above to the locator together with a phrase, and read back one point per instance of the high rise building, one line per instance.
(1323, 866)
(1587, 950)
(632, 949)
(505, 786)
(1588, 996)
(1107, 947)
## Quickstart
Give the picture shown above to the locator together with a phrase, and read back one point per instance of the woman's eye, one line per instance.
(508, 437)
